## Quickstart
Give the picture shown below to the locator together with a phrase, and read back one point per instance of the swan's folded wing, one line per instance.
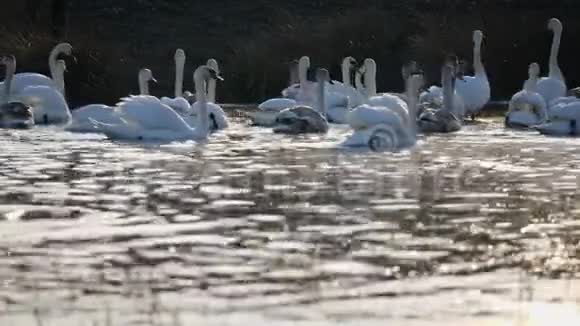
(149, 113)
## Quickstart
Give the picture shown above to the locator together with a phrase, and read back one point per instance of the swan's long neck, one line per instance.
(358, 82)
(10, 70)
(294, 75)
(143, 86)
(411, 88)
(346, 72)
(555, 71)
(179, 70)
(59, 79)
(321, 97)
(52, 62)
(531, 84)
(371, 80)
(203, 120)
(303, 66)
(477, 63)
(447, 83)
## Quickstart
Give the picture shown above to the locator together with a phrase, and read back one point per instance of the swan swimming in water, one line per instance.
(475, 90)
(267, 110)
(146, 118)
(553, 86)
(306, 119)
(527, 107)
(13, 114)
(382, 128)
(443, 114)
(217, 116)
(179, 103)
(25, 79)
(81, 117)
(47, 103)
(393, 101)
(564, 121)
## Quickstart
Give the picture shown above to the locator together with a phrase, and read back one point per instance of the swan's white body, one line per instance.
(390, 101)
(13, 114)
(385, 128)
(564, 121)
(215, 112)
(443, 114)
(307, 119)
(146, 118)
(82, 118)
(527, 107)
(553, 86)
(475, 90)
(48, 103)
(178, 103)
(294, 95)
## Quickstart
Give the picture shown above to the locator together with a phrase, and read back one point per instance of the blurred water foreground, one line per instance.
(476, 228)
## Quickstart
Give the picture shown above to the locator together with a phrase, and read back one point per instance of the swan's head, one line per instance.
(146, 75)
(9, 61)
(179, 55)
(370, 65)
(555, 25)
(349, 61)
(206, 73)
(477, 37)
(534, 70)
(64, 48)
(299, 120)
(213, 64)
(322, 75)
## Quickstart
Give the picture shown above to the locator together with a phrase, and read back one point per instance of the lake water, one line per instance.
(481, 227)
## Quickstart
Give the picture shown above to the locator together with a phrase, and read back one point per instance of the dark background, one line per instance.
(252, 39)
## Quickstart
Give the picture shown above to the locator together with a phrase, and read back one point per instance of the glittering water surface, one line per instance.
(476, 228)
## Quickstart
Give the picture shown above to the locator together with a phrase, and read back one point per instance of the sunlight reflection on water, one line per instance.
(475, 228)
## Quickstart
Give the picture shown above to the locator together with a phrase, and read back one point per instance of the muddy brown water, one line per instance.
(481, 227)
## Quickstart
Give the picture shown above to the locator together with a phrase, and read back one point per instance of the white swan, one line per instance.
(443, 114)
(13, 114)
(527, 107)
(381, 128)
(178, 103)
(267, 110)
(389, 100)
(25, 79)
(81, 117)
(48, 103)
(307, 119)
(345, 88)
(146, 118)
(217, 116)
(564, 121)
(475, 90)
(554, 85)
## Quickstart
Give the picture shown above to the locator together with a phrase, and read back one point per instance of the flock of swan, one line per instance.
(312, 103)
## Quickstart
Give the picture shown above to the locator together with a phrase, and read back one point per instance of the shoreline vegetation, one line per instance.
(253, 40)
